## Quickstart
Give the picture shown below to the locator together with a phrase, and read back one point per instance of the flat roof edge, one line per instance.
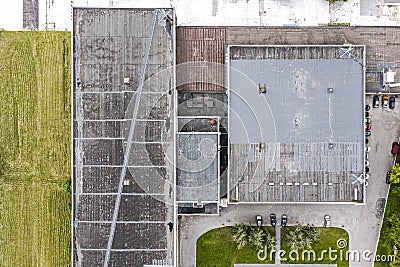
(300, 45)
(299, 203)
(122, 7)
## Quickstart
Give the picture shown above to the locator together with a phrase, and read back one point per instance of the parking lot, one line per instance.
(363, 222)
(384, 131)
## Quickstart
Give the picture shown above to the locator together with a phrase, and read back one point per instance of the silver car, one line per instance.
(327, 221)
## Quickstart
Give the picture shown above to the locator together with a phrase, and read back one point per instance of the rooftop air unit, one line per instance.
(388, 77)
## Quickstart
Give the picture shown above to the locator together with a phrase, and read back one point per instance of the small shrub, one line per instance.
(244, 234)
(67, 186)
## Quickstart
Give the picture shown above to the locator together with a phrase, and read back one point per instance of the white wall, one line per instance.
(11, 14)
(57, 15)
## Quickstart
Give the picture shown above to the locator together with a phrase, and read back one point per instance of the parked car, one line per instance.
(367, 107)
(366, 156)
(366, 140)
(366, 169)
(367, 133)
(368, 127)
(388, 177)
(367, 120)
(366, 114)
(273, 219)
(284, 220)
(259, 220)
(375, 101)
(391, 102)
(385, 100)
(327, 221)
(367, 149)
(395, 148)
(366, 163)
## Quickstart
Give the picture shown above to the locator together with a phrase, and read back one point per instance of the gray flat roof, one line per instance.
(109, 51)
(198, 176)
(197, 167)
(310, 120)
(297, 89)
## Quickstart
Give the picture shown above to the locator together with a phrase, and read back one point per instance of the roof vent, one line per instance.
(262, 89)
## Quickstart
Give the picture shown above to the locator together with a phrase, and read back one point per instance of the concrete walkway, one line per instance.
(278, 244)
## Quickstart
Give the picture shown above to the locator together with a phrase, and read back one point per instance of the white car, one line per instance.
(259, 220)
(327, 221)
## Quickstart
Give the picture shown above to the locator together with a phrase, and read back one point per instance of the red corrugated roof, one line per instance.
(200, 45)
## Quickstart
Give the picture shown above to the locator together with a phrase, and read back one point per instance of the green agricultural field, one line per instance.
(34, 148)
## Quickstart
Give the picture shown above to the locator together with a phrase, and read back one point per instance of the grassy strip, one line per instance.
(216, 248)
(34, 148)
(390, 232)
(328, 239)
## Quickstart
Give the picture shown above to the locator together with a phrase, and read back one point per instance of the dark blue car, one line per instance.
(388, 177)
(391, 102)
(284, 220)
(273, 219)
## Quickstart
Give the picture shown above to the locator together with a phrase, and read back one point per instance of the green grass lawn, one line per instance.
(34, 148)
(390, 234)
(217, 249)
(328, 238)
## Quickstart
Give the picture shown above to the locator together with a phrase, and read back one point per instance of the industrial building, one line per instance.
(296, 123)
(123, 137)
(170, 121)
